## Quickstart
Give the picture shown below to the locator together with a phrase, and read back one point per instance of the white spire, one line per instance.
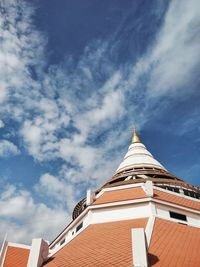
(138, 156)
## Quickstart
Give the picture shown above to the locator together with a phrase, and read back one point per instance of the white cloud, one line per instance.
(176, 54)
(18, 54)
(59, 190)
(22, 218)
(3, 92)
(7, 148)
(173, 61)
(1, 124)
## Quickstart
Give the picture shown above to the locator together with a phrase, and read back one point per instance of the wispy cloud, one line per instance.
(17, 54)
(59, 190)
(175, 56)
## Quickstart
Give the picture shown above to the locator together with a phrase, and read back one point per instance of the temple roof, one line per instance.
(174, 244)
(138, 166)
(121, 195)
(16, 256)
(138, 192)
(143, 212)
(103, 244)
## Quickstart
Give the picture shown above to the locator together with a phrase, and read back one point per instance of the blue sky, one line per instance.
(75, 78)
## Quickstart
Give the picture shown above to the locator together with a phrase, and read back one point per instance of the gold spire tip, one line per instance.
(135, 138)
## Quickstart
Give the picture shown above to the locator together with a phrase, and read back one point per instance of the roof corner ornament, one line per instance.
(135, 138)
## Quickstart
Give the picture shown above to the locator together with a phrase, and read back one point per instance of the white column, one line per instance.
(148, 187)
(38, 252)
(90, 197)
(149, 229)
(139, 250)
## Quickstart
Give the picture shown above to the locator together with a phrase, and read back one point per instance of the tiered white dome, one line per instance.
(138, 156)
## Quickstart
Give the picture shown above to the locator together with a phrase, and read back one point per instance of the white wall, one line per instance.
(163, 211)
(120, 213)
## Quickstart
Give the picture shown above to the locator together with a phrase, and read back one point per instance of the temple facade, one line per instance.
(143, 216)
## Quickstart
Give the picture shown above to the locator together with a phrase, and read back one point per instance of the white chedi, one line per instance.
(138, 156)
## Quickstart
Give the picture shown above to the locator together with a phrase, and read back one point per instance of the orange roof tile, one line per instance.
(179, 200)
(121, 195)
(105, 244)
(174, 244)
(16, 256)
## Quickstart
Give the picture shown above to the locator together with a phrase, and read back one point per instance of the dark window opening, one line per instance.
(191, 194)
(62, 242)
(117, 180)
(178, 216)
(79, 227)
(173, 189)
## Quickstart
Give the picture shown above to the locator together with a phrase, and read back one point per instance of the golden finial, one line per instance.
(135, 138)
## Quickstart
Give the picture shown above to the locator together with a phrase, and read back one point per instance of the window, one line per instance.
(191, 194)
(178, 216)
(79, 227)
(62, 242)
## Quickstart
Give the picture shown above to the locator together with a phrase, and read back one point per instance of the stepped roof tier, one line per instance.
(137, 166)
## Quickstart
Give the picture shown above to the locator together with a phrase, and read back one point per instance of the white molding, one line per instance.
(139, 251)
(177, 221)
(176, 194)
(3, 251)
(169, 204)
(120, 203)
(17, 245)
(149, 229)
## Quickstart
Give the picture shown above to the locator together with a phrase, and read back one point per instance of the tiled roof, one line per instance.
(16, 257)
(105, 244)
(121, 195)
(174, 244)
(177, 199)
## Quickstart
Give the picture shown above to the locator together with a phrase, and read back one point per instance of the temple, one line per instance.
(143, 216)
